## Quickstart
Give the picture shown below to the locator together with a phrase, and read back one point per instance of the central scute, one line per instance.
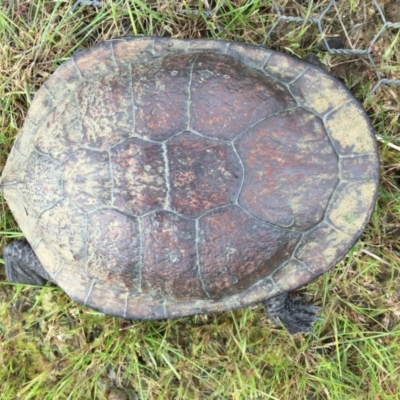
(203, 173)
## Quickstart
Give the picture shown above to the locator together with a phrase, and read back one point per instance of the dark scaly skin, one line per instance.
(293, 313)
(22, 265)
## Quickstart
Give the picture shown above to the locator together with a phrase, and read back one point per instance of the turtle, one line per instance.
(156, 178)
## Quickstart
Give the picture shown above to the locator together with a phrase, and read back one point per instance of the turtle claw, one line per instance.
(292, 313)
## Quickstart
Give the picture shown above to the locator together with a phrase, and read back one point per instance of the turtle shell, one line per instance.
(158, 177)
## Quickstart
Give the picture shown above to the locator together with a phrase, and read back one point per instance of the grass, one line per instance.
(53, 348)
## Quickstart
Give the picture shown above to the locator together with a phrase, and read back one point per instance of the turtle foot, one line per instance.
(22, 265)
(292, 313)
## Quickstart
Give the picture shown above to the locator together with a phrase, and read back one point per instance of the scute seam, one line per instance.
(243, 172)
(324, 219)
(113, 54)
(298, 76)
(140, 229)
(189, 100)
(196, 241)
(214, 139)
(54, 204)
(285, 228)
(324, 117)
(111, 172)
(92, 283)
(133, 100)
(300, 242)
(337, 107)
(48, 92)
(59, 270)
(306, 266)
(356, 155)
(126, 305)
(336, 229)
(167, 205)
(77, 68)
(262, 67)
(239, 135)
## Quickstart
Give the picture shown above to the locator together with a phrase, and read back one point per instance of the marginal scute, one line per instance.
(292, 275)
(359, 168)
(25, 140)
(87, 179)
(41, 106)
(66, 81)
(145, 306)
(351, 206)
(26, 221)
(218, 46)
(48, 257)
(254, 57)
(203, 174)
(14, 171)
(291, 169)
(103, 299)
(202, 306)
(318, 91)
(129, 51)
(263, 289)
(187, 308)
(179, 46)
(350, 130)
(76, 283)
(322, 247)
(114, 244)
(284, 67)
(97, 60)
(236, 250)
(169, 257)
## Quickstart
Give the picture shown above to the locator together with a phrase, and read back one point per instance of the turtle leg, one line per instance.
(22, 265)
(292, 313)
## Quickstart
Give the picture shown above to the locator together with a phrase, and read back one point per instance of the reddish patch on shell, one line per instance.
(227, 96)
(291, 169)
(203, 174)
(236, 250)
